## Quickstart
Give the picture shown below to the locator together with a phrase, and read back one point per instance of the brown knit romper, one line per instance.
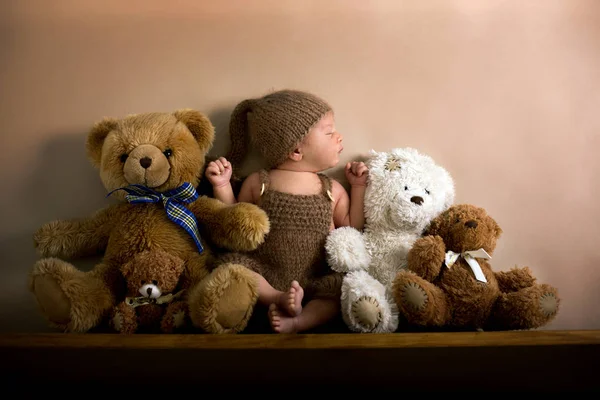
(294, 248)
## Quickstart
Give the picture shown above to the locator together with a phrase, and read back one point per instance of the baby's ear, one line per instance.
(296, 155)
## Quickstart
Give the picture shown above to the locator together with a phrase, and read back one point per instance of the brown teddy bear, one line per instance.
(449, 282)
(151, 164)
(153, 303)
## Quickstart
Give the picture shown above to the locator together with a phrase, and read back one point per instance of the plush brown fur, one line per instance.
(151, 273)
(429, 294)
(175, 144)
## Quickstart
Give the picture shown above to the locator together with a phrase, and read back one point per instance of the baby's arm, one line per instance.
(250, 190)
(349, 210)
(218, 173)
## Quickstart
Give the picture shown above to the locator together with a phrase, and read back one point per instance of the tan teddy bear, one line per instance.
(153, 303)
(450, 282)
(151, 163)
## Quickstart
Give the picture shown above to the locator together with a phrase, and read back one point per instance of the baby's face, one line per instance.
(323, 145)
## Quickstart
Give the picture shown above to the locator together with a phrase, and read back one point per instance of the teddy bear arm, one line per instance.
(176, 316)
(74, 238)
(124, 319)
(346, 250)
(426, 257)
(515, 279)
(238, 227)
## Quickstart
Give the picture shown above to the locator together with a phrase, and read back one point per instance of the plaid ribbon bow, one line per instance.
(173, 200)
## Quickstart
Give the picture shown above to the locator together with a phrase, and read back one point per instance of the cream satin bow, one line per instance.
(470, 258)
(141, 301)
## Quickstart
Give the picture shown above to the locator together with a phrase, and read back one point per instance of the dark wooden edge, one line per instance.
(479, 362)
(301, 341)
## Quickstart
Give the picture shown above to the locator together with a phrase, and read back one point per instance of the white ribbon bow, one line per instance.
(470, 258)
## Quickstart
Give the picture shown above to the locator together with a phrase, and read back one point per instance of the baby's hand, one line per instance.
(218, 172)
(356, 173)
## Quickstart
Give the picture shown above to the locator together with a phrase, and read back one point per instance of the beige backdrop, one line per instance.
(504, 94)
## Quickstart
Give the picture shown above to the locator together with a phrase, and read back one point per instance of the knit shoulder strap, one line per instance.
(326, 186)
(264, 180)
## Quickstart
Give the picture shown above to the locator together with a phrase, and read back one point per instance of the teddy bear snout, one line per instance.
(151, 291)
(418, 200)
(146, 162)
(471, 224)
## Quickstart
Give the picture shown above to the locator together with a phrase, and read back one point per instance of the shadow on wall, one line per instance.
(63, 185)
(68, 184)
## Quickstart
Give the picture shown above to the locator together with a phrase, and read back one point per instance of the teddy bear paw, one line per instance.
(367, 312)
(51, 299)
(414, 296)
(548, 304)
(117, 321)
(179, 319)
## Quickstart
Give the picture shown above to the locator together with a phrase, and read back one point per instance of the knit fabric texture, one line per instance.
(273, 124)
(294, 248)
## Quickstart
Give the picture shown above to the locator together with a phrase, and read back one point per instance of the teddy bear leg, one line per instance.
(420, 302)
(527, 308)
(176, 317)
(366, 307)
(70, 299)
(123, 319)
(223, 302)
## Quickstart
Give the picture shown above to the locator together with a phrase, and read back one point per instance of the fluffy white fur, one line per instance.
(405, 191)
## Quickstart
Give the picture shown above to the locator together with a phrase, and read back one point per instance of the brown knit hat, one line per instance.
(274, 124)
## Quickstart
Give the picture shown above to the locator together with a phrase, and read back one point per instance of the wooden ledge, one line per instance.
(539, 361)
(301, 341)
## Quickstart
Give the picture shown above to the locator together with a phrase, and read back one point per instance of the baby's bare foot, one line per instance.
(291, 301)
(280, 322)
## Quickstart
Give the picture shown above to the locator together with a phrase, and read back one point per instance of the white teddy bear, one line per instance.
(405, 191)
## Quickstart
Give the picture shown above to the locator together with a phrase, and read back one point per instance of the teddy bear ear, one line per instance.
(96, 137)
(178, 266)
(126, 269)
(200, 126)
(497, 229)
(434, 226)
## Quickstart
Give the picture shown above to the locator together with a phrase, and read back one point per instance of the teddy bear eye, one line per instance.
(405, 187)
(123, 157)
(457, 220)
(168, 153)
(155, 282)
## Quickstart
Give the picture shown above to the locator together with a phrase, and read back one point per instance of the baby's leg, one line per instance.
(289, 301)
(316, 312)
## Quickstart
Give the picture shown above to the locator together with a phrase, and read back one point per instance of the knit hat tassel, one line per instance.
(238, 134)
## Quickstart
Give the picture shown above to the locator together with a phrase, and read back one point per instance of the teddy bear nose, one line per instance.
(418, 200)
(149, 291)
(471, 224)
(146, 162)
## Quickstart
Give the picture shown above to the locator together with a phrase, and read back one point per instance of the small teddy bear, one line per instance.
(405, 191)
(450, 283)
(153, 303)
